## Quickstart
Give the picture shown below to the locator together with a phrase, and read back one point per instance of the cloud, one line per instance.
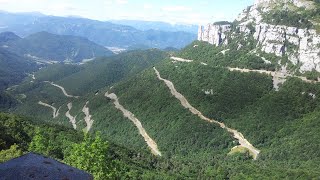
(63, 7)
(147, 6)
(4, 1)
(121, 2)
(176, 8)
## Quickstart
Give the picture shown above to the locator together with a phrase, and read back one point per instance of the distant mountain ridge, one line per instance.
(103, 33)
(51, 47)
(158, 25)
(8, 36)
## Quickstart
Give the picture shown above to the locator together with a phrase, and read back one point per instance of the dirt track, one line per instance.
(184, 102)
(87, 118)
(150, 142)
(62, 89)
(55, 111)
(70, 117)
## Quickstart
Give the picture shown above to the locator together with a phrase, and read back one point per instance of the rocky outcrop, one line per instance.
(214, 34)
(301, 46)
(298, 3)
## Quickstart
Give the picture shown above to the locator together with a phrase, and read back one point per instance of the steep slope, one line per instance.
(60, 84)
(285, 30)
(104, 33)
(50, 47)
(242, 101)
(231, 84)
(13, 69)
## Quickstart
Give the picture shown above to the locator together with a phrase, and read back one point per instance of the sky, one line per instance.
(172, 11)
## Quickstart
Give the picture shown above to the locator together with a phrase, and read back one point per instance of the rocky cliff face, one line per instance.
(214, 34)
(301, 46)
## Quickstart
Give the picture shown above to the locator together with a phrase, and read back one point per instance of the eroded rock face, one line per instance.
(214, 34)
(301, 46)
(298, 3)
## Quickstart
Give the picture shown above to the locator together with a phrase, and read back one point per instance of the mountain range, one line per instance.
(241, 102)
(48, 47)
(103, 33)
(157, 25)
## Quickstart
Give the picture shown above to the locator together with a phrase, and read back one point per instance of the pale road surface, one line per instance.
(55, 112)
(87, 118)
(62, 89)
(71, 118)
(150, 142)
(184, 102)
(180, 59)
(279, 77)
(273, 74)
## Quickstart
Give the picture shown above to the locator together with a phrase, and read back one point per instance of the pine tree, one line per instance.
(91, 156)
(39, 143)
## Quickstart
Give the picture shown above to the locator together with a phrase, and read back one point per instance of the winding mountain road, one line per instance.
(62, 89)
(180, 59)
(71, 118)
(184, 102)
(279, 77)
(278, 74)
(150, 142)
(55, 111)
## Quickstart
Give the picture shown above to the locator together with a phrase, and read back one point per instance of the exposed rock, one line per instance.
(38, 167)
(214, 34)
(301, 46)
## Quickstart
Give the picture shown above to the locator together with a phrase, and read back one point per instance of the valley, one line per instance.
(240, 101)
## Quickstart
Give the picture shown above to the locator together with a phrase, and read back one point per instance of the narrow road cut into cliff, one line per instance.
(55, 111)
(62, 89)
(150, 142)
(184, 102)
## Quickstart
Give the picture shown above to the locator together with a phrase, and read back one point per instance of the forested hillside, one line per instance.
(13, 69)
(50, 47)
(281, 124)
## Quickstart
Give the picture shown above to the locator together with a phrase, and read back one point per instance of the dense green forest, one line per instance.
(282, 124)
(13, 69)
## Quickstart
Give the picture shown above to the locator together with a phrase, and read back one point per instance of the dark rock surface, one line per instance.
(35, 167)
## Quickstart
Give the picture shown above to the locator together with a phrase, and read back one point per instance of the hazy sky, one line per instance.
(173, 11)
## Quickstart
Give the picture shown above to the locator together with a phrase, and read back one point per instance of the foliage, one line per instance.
(13, 68)
(287, 18)
(39, 143)
(222, 23)
(283, 124)
(91, 156)
(236, 54)
(14, 130)
(312, 75)
(11, 153)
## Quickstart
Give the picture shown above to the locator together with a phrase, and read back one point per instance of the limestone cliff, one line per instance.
(214, 33)
(298, 41)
